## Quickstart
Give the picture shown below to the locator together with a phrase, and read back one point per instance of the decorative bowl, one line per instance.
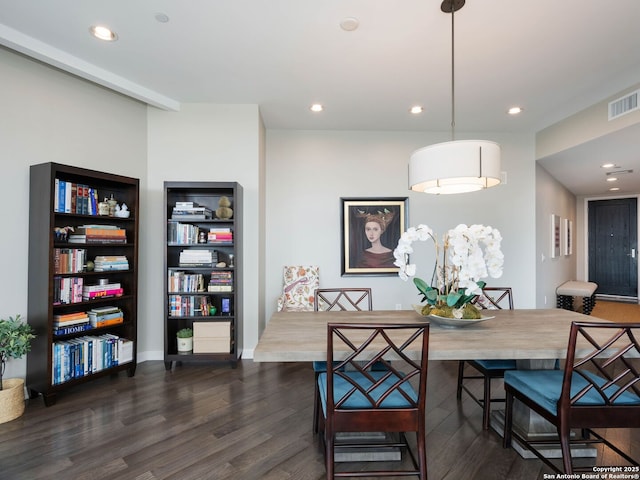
(446, 322)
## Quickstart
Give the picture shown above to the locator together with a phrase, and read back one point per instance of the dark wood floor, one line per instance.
(253, 422)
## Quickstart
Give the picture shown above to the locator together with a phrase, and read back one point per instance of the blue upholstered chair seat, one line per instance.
(357, 400)
(544, 387)
(496, 364)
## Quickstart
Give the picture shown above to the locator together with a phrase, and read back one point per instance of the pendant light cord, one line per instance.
(453, 76)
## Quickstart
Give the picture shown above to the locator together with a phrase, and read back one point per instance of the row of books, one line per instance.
(198, 257)
(69, 260)
(185, 282)
(67, 290)
(105, 263)
(188, 306)
(98, 234)
(86, 355)
(72, 197)
(220, 281)
(182, 233)
(188, 234)
(190, 211)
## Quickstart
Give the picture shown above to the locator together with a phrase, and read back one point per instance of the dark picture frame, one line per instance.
(387, 216)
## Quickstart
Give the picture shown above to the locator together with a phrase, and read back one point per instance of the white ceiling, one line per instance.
(552, 57)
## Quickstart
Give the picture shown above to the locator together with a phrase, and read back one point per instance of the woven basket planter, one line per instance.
(11, 399)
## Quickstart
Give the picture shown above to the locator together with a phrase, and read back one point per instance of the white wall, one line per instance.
(49, 116)
(208, 143)
(292, 180)
(552, 198)
(308, 172)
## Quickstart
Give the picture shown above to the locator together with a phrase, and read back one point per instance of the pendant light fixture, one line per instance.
(457, 166)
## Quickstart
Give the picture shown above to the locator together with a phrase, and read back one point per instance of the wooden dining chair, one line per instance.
(598, 388)
(336, 299)
(492, 298)
(356, 398)
(349, 299)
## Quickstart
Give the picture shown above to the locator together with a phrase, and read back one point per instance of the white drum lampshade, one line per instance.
(455, 167)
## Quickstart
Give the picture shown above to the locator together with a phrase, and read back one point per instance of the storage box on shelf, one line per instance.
(203, 258)
(83, 258)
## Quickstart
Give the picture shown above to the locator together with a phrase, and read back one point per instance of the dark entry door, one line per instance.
(613, 245)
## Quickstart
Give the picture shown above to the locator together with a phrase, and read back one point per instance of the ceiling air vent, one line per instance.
(623, 105)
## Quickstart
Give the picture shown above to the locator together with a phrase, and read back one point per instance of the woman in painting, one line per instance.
(377, 255)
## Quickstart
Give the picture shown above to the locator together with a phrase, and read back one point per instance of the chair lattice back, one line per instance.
(348, 299)
(368, 345)
(602, 365)
(495, 298)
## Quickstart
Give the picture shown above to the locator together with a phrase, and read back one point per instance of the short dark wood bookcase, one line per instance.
(203, 265)
(92, 270)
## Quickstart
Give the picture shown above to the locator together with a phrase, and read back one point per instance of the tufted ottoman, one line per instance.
(574, 288)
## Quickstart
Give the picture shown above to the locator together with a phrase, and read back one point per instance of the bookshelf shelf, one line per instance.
(90, 346)
(217, 337)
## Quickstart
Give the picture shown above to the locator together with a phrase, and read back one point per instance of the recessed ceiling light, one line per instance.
(316, 107)
(612, 179)
(515, 110)
(608, 165)
(103, 33)
(161, 17)
(416, 109)
(349, 24)
(614, 189)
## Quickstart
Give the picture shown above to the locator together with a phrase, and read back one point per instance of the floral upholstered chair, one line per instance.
(299, 285)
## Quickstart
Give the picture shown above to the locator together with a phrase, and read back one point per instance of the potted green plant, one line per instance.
(15, 341)
(185, 339)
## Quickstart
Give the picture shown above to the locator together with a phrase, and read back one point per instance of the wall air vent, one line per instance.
(623, 105)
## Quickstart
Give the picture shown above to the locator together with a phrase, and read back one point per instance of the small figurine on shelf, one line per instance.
(122, 211)
(113, 203)
(224, 210)
(62, 233)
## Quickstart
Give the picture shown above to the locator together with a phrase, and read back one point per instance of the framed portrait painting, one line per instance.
(371, 228)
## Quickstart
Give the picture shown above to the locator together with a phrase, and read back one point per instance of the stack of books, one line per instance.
(90, 292)
(104, 263)
(98, 234)
(220, 235)
(191, 211)
(221, 281)
(67, 323)
(105, 316)
(197, 258)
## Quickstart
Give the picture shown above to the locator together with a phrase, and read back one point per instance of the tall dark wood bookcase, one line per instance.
(193, 285)
(48, 373)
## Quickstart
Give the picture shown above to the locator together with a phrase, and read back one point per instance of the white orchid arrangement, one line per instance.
(460, 262)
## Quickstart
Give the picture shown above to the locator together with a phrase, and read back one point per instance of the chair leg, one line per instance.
(422, 454)
(460, 379)
(508, 420)
(316, 405)
(329, 453)
(486, 404)
(564, 433)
